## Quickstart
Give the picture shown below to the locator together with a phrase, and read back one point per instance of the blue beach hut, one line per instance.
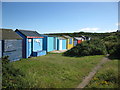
(10, 44)
(32, 43)
(49, 43)
(61, 43)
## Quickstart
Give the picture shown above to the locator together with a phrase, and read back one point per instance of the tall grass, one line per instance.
(55, 70)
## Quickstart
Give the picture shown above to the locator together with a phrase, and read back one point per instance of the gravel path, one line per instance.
(92, 73)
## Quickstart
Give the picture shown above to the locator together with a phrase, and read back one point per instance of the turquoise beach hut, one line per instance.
(61, 43)
(49, 43)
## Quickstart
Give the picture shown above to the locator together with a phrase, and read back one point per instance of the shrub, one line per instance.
(115, 52)
(112, 44)
(86, 48)
(11, 77)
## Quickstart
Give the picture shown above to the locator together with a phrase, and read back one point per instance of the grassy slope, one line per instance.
(55, 70)
(106, 77)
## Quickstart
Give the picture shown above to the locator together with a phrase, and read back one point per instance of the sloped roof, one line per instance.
(66, 36)
(52, 35)
(61, 38)
(29, 33)
(79, 38)
(8, 34)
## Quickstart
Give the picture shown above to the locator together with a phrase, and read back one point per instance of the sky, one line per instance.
(61, 17)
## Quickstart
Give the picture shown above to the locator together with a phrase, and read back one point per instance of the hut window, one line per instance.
(70, 41)
(37, 41)
(29, 40)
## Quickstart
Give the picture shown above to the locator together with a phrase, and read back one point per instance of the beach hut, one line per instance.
(49, 43)
(69, 42)
(61, 43)
(32, 43)
(78, 40)
(10, 44)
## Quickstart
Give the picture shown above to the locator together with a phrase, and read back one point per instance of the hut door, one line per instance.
(29, 47)
(54, 43)
(60, 44)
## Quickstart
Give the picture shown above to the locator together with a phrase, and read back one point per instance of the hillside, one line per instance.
(92, 35)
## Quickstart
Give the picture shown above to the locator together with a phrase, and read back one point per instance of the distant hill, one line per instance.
(88, 34)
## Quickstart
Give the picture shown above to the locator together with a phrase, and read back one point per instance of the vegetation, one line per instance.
(101, 43)
(11, 77)
(89, 34)
(107, 76)
(87, 48)
(112, 44)
(55, 70)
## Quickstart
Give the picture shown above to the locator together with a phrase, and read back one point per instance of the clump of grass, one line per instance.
(107, 77)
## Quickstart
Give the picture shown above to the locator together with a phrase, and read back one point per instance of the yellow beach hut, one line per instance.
(69, 42)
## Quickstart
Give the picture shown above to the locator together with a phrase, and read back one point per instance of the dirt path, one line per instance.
(58, 51)
(92, 73)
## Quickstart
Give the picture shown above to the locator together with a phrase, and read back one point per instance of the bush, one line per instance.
(11, 77)
(115, 52)
(86, 48)
(112, 44)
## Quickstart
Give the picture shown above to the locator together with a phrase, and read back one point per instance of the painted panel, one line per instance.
(39, 53)
(54, 43)
(24, 45)
(50, 44)
(10, 45)
(29, 47)
(75, 42)
(0, 48)
(70, 41)
(37, 44)
(60, 45)
(63, 44)
(69, 46)
(79, 41)
(57, 44)
(15, 54)
(45, 43)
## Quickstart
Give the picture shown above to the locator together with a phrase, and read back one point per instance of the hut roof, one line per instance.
(79, 38)
(29, 33)
(61, 38)
(66, 36)
(8, 34)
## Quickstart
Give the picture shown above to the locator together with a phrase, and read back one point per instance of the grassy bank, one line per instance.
(107, 76)
(55, 70)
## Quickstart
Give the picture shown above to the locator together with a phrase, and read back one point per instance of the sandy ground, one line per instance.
(56, 51)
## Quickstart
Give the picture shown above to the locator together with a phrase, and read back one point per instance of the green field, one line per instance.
(55, 70)
(107, 76)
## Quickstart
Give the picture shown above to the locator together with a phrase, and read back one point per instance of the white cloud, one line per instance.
(58, 31)
(96, 30)
(89, 29)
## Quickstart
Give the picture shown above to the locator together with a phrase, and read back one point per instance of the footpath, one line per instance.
(88, 78)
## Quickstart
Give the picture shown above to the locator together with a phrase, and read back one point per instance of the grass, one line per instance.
(107, 76)
(55, 70)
